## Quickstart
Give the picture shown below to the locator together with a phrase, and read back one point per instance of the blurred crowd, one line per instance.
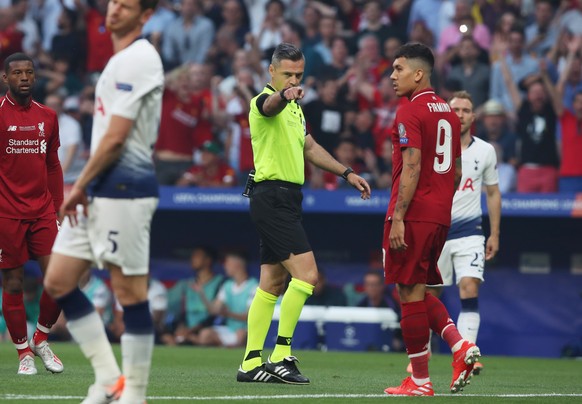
(209, 305)
(519, 59)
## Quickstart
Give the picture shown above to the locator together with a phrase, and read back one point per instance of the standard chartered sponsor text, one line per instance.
(36, 143)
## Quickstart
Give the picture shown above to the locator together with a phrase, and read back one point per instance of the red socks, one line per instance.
(415, 332)
(49, 313)
(440, 321)
(417, 320)
(15, 317)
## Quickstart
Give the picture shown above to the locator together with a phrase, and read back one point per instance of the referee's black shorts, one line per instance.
(276, 212)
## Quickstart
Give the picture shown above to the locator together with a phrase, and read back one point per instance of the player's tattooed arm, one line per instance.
(411, 158)
(409, 176)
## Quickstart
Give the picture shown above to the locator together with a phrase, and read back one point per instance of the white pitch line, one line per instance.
(283, 397)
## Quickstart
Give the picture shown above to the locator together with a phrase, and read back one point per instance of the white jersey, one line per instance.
(131, 87)
(479, 168)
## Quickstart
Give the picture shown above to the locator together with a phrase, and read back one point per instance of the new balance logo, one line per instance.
(0, 255)
(12, 128)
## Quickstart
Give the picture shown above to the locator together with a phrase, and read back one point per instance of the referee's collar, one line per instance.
(270, 87)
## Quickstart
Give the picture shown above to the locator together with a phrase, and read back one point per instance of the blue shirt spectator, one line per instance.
(163, 17)
(520, 66)
(189, 38)
(428, 12)
(541, 34)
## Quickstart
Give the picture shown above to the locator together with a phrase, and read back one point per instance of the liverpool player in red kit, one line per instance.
(31, 192)
(427, 170)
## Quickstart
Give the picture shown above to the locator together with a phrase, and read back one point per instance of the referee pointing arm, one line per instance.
(280, 146)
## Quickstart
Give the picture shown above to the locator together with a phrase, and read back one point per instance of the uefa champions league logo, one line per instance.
(350, 338)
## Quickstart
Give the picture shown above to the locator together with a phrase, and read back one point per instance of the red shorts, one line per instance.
(22, 239)
(418, 263)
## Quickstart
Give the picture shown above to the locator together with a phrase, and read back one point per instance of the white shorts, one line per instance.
(466, 256)
(116, 231)
(227, 336)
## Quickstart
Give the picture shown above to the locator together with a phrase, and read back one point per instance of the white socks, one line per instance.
(89, 333)
(468, 325)
(137, 353)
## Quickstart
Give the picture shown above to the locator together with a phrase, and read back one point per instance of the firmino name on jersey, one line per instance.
(438, 107)
(26, 146)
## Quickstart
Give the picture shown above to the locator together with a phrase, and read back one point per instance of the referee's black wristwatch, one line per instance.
(348, 171)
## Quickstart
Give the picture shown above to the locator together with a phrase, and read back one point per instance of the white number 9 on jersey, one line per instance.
(444, 147)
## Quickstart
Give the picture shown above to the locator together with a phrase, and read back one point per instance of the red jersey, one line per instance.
(427, 123)
(385, 112)
(202, 102)
(177, 125)
(571, 165)
(10, 42)
(31, 179)
(99, 44)
(219, 175)
(246, 162)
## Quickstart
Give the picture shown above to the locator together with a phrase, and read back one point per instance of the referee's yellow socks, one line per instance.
(259, 320)
(291, 306)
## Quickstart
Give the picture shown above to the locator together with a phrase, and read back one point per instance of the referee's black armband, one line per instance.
(347, 172)
(261, 102)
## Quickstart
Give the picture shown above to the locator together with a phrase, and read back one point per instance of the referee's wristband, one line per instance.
(348, 171)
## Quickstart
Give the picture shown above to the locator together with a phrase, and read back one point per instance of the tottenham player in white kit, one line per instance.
(465, 250)
(118, 193)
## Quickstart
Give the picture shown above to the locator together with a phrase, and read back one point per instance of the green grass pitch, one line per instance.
(193, 374)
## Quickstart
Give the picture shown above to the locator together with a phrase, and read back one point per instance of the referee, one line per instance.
(280, 145)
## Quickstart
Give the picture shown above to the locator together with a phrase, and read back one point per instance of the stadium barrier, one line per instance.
(341, 328)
